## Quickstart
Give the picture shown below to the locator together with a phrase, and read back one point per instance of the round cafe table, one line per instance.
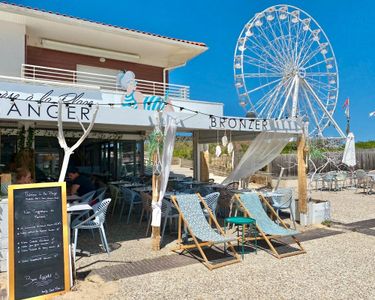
(241, 223)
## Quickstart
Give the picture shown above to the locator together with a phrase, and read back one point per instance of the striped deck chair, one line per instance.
(192, 216)
(268, 230)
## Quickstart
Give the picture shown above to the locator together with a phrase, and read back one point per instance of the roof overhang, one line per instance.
(146, 48)
(28, 101)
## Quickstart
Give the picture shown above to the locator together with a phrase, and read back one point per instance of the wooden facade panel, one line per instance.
(64, 60)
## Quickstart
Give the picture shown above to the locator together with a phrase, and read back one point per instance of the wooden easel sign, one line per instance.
(38, 241)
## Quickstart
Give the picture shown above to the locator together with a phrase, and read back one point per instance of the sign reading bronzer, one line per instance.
(38, 241)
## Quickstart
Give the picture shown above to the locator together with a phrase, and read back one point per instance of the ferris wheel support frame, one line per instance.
(295, 97)
(292, 84)
(324, 109)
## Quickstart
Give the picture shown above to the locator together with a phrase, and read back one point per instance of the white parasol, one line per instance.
(349, 152)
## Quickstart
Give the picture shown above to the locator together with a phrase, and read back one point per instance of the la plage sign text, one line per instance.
(33, 106)
(39, 102)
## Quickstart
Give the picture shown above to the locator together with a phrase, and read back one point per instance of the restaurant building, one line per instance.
(47, 57)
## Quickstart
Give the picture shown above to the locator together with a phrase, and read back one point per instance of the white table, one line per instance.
(78, 207)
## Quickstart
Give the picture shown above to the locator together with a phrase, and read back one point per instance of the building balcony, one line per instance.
(107, 83)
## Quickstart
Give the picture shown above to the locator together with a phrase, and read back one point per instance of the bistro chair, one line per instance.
(340, 180)
(115, 192)
(225, 203)
(361, 179)
(268, 230)
(211, 200)
(100, 193)
(131, 199)
(87, 198)
(146, 209)
(191, 215)
(317, 178)
(328, 179)
(204, 190)
(284, 202)
(95, 221)
(233, 185)
(168, 213)
(371, 182)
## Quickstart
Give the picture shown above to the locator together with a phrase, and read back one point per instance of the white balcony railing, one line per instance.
(107, 82)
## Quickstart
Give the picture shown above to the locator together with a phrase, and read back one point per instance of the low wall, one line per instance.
(186, 163)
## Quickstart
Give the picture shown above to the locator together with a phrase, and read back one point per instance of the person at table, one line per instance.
(23, 176)
(80, 183)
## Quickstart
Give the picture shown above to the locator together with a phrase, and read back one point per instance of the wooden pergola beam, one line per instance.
(302, 179)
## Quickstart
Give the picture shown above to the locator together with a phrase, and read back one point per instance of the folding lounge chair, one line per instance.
(191, 214)
(267, 229)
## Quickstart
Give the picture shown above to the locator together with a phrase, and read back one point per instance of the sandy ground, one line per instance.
(335, 267)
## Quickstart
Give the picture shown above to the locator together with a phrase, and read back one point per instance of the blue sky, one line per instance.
(349, 24)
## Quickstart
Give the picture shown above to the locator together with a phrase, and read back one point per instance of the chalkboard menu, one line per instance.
(38, 240)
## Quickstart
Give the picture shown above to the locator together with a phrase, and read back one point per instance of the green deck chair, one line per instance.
(268, 230)
(192, 216)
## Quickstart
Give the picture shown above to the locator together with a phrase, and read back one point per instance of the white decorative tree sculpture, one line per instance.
(68, 151)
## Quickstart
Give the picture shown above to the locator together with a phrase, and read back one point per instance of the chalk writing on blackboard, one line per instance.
(39, 243)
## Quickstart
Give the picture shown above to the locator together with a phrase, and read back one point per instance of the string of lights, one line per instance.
(112, 105)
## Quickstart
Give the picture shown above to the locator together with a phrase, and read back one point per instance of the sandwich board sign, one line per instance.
(38, 241)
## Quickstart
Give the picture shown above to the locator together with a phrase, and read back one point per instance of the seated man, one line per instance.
(80, 183)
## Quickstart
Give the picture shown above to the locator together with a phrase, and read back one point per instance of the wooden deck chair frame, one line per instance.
(200, 245)
(268, 238)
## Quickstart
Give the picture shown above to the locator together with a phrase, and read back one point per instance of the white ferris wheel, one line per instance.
(285, 67)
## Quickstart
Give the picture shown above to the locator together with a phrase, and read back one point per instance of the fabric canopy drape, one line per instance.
(264, 149)
(166, 161)
(349, 152)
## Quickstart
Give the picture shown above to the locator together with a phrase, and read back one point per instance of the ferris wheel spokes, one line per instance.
(274, 104)
(267, 98)
(278, 55)
(270, 67)
(264, 85)
(261, 75)
(283, 63)
(295, 97)
(264, 50)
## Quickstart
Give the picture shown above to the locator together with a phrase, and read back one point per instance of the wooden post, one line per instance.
(196, 157)
(155, 198)
(302, 180)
